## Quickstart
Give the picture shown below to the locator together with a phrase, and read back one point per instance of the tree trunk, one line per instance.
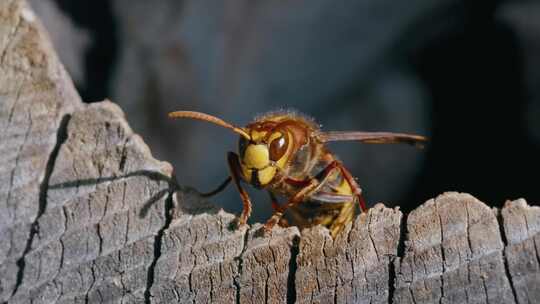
(87, 215)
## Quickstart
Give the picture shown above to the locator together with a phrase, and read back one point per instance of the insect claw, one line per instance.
(266, 231)
(283, 223)
(241, 223)
(268, 227)
(272, 221)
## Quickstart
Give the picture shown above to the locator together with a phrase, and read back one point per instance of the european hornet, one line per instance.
(285, 154)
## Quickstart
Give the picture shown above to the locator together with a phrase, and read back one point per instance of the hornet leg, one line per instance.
(313, 185)
(354, 186)
(277, 208)
(234, 165)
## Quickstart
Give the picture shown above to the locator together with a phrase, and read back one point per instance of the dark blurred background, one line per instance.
(464, 73)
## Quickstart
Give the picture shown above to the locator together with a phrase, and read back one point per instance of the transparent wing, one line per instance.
(374, 137)
(329, 197)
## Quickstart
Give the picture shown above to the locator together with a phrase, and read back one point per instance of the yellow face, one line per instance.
(263, 156)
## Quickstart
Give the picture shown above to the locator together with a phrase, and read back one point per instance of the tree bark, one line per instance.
(88, 215)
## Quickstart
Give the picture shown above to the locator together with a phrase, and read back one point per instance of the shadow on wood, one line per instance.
(88, 215)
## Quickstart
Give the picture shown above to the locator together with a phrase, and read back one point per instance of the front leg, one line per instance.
(234, 168)
(277, 208)
(311, 186)
(297, 198)
(273, 200)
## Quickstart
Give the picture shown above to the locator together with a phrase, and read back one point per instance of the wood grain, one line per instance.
(87, 215)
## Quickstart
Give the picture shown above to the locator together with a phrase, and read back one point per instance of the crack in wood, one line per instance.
(293, 267)
(61, 137)
(240, 262)
(400, 252)
(17, 159)
(243, 262)
(532, 237)
(441, 247)
(87, 294)
(500, 222)
(169, 209)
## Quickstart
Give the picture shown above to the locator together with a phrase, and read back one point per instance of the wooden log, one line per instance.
(453, 254)
(36, 96)
(522, 232)
(87, 215)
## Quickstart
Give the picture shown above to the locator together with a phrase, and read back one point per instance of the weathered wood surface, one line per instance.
(87, 215)
(453, 254)
(35, 97)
